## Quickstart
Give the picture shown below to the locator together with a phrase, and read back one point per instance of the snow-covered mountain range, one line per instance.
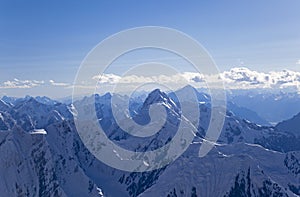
(43, 155)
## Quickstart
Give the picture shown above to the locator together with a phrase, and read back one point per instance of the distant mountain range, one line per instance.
(42, 154)
(272, 107)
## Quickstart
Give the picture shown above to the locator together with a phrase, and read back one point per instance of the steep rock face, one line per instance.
(234, 170)
(63, 144)
(243, 186)
(27, 166)
(4, 106)
(6, 121)
(292, 163)
(40, 162)
(32, 165)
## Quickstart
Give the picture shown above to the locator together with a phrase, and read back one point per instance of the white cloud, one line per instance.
(178, 78)
(25, 84)
(52, 82)
(235, 78)
(107, 78)
(298, 62)
(16, 83)
(244, 78)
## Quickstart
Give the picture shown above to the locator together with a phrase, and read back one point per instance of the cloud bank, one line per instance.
(235, 78)
(16, 83)
(27, 84)
(53, 83)
(245, 78)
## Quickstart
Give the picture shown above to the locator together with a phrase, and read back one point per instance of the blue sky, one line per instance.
(47, 40)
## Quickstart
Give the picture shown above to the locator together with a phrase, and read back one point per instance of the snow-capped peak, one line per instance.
(156, 96)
